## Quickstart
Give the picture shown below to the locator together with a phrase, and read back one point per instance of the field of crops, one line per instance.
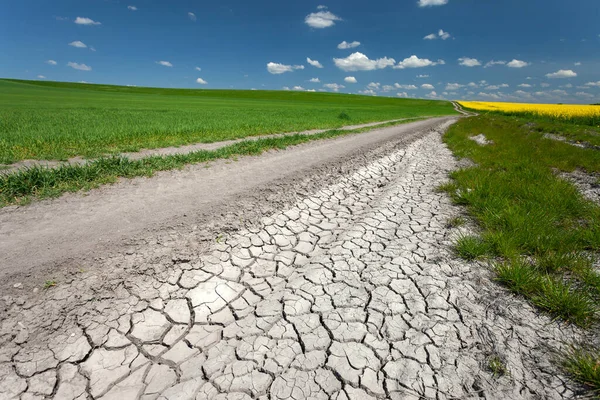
(54, 120)
(580, 114)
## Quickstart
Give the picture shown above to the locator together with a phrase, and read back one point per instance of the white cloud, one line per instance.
(405, 87)
(559, 92)
(78, 44)
(86, 21)
(321, 19)
(92, 48)
(132, 8)
(563, 73)
(496, 87)
(297, 88)
(422, 76)
(584, 94)
(593, 84)
(387, 88)
(192, 16)
(81, 67)
(198, 69)
(164, 63)
(285, 88)
(334, 86)
(473, 85)
(321, 7)
(310, 90)
(368, 92)
(416, 62)
(276, 68)
(402, 94)
(544, 85)
(441, 34)
(374, 85)
(314, 63)
(432, 95)
(345, 45)
(525, 85)
(41, 77)
(427, 86)
(315, 80)
(51, 62)
(517, 64)
(489, 95)
(577, 64)
(201, 81)
(492, 63)
(430, 3)
(453, 86)
(350, 79)
(469, 62)
(569, 86)
(360, 62)
(521, 93)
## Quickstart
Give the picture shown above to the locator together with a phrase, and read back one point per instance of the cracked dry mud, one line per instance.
(352, 293)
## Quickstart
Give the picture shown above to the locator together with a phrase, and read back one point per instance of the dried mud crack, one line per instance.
(351, 293)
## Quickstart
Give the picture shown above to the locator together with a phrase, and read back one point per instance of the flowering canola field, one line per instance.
(559, 111)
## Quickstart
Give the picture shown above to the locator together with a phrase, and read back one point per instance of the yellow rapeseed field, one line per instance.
(561, 111)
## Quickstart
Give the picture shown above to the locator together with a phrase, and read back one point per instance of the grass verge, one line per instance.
(539, 232)
(38, 182)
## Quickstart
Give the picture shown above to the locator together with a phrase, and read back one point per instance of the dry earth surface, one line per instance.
(323, 271)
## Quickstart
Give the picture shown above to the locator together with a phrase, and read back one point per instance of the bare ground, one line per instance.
(347, 289)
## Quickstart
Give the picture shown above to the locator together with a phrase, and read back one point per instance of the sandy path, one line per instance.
(39, 240)
(350, 292)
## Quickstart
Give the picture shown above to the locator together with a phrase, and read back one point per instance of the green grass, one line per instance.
(584, 365)
(538, 231)
(57, 120)
(25, 185)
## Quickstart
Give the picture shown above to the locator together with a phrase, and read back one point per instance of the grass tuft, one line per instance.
(584, 365)
(497, 366)
(471, 247)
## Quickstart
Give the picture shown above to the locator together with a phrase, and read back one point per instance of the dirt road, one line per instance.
(323, 272)
(51, 234)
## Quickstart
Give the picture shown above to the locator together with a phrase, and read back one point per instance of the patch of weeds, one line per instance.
(455, 222)
(344, 116)
(470, 247)
(49, 284)
(564, 301)
(448, 187)
(584, 366)
(497, 366)
(518, 277)
(219, 238)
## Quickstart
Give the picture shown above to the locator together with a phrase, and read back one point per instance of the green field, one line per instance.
(56, 120)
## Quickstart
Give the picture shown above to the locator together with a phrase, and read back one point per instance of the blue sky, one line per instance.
(544, 50)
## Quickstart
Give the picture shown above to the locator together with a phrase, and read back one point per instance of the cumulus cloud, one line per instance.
(584, 94)
(41, 77)
(427, 86)
(297, 88)
(360, 62)
(164, 63)
(405, 87)
(489, 95)
(525, 85)
(432, 95)
(374, 85)
(422, 76)
(201, 81)
(517, 64)
(321, 19)
(496, 87)
(453, 86)
(593, 84)
(81, 67)
(86, 21)
(469, 62)
(544, 85)
(563, 73)
(198, 69)
(441, 34)
(132, 8)
(416, 62)
(577, 64)
(315, 80)
(334, 86)
(285, 88)
(368, 92)
(402, 94)
(78, 44)
(350, 79)
(492, 63)
(192, 16)
(431, 3)
(314, 63)
(345, 45)
(51, 62)
(276, 68)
